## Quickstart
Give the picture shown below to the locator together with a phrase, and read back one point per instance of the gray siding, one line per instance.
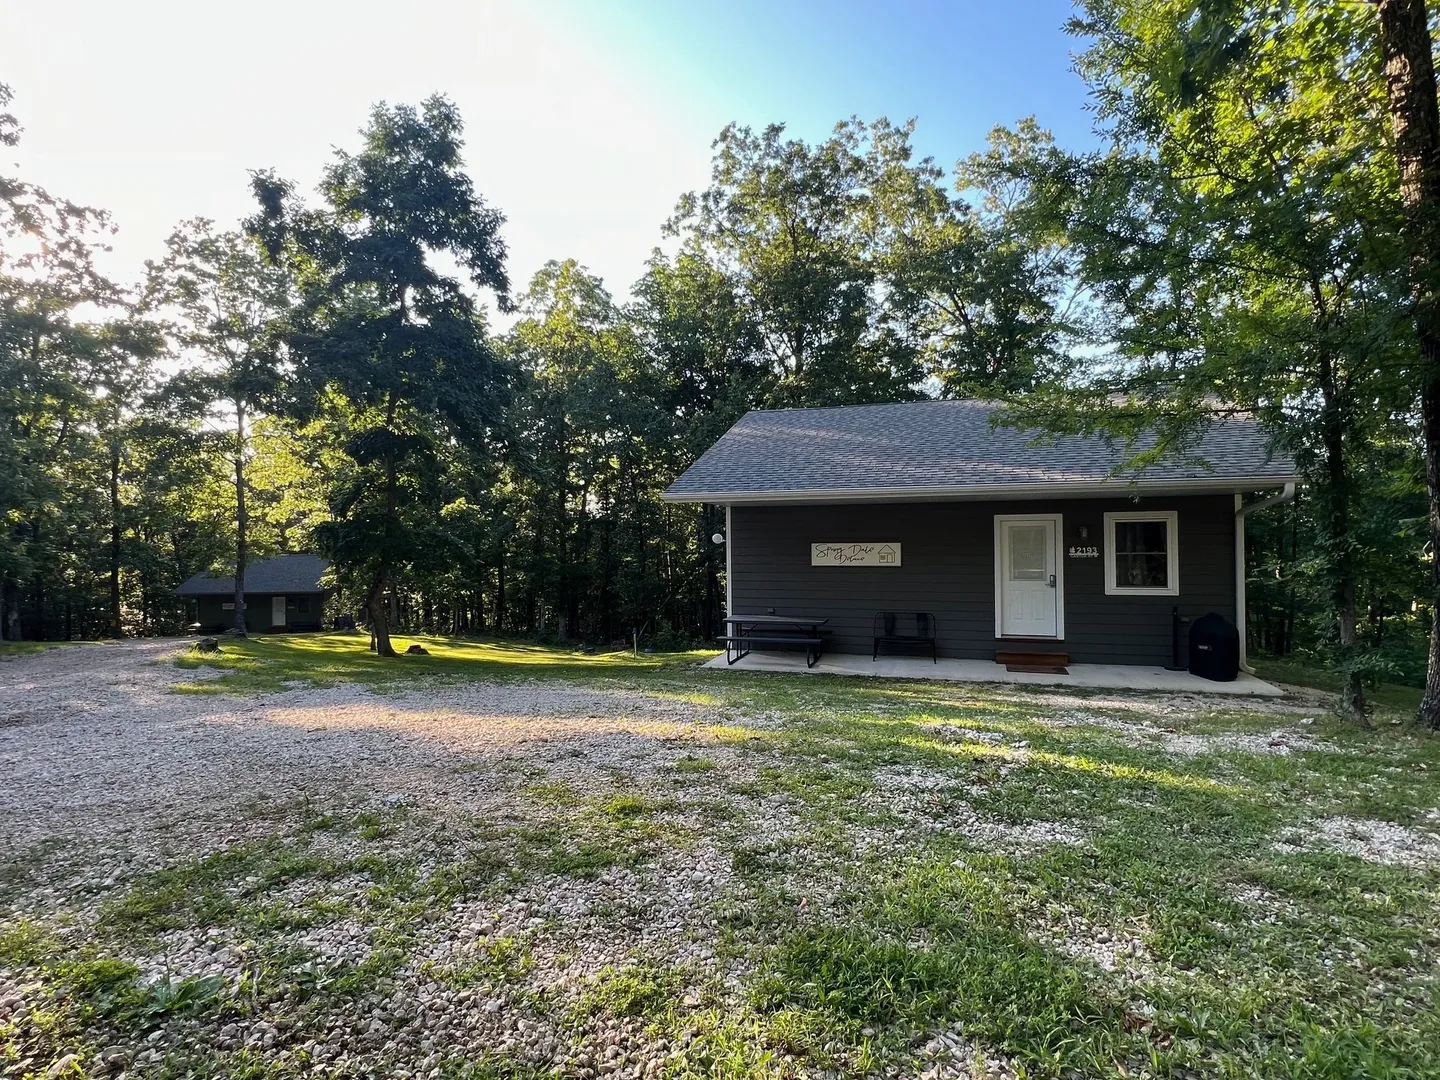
(948, 568)
(211, 614)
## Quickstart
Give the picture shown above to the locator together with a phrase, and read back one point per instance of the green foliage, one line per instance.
(1240, 247)
(93, 471)
(986, 290)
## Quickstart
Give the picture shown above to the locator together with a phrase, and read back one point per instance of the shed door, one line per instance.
(1027, 590)
(277, 611)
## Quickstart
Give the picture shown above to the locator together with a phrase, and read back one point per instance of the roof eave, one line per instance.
(1068, 489)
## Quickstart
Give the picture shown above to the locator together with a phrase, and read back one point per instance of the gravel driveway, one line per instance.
(97, 750)
(111, 777)
(689, 876)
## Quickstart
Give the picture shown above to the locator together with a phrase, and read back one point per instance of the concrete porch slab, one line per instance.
(1090, 676)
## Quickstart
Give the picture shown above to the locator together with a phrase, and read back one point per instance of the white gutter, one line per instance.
(1063, 489)
(1241, 513)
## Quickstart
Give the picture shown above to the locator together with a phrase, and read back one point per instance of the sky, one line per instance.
(585, 119)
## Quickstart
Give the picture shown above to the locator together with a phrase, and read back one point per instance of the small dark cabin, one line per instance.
(282, 593)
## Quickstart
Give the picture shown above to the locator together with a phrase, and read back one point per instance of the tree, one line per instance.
(390, 349)
(784, 221)
(231, 303)
(705, 351)
(592, 426)
(1409, 69)
(984, 291)
(1242, 239)
(121, 359)
(47, 274)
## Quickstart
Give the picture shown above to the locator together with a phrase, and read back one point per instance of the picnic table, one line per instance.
(747, 630)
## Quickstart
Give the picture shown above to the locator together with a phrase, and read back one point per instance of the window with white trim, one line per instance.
(1142, 556)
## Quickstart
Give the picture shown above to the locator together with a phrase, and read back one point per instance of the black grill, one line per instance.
(1214, 648)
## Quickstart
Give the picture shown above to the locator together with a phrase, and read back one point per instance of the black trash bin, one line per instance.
(1214, 648)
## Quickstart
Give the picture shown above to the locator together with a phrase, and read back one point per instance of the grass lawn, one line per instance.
(10, 649)
(1387, 697)
(274, 662)
(508, 861)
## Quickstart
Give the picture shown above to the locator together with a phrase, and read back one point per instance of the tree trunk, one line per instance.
(499, 617)
(39, 588)
(1429, 713)
(114, 629)
(10, 612)
(1340, 547)
(379, 620)
(379, 617)
(242, 520)
(1415, 118)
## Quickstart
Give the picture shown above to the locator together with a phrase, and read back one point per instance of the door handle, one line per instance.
(1051, 582)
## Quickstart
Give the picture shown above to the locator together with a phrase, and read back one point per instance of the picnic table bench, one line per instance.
(905, 629)
(747, 631)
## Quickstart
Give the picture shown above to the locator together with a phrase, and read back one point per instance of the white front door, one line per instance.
(1028, 590)
(277, 611)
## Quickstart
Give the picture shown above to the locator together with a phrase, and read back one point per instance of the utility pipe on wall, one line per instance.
(1241, 513)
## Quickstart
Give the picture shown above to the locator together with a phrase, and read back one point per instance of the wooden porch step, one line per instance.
(1032, 658)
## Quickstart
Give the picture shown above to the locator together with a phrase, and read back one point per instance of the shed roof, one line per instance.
(277, 574)
(948, 449)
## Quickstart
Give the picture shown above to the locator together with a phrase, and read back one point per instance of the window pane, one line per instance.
(1027, 552)
(1141, 571)
(1142, 555)
(1140, 536)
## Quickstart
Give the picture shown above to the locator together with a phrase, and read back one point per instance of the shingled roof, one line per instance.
(277, 574)
(947, 449)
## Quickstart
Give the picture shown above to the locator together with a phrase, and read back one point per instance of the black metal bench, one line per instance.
(905, 629)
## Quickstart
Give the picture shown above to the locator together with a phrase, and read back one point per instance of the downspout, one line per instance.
(1241, 513)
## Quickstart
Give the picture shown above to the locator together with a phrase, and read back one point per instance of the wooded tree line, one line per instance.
(1257, 231)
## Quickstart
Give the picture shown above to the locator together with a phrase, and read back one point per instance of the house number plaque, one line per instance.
(1084, 552)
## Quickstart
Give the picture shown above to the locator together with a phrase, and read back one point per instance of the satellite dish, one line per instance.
(719, 538)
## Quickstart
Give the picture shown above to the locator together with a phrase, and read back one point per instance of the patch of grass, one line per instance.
(492, 1066)
(1389, 697)
(211, 890)
(266, 663)
(78, 993)
(996, 982)
(629, 806)
(491, 963)
(241, 667)
(689, 764)
(553, 794)
(11, 649)
(585, 859)
(643, 990)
